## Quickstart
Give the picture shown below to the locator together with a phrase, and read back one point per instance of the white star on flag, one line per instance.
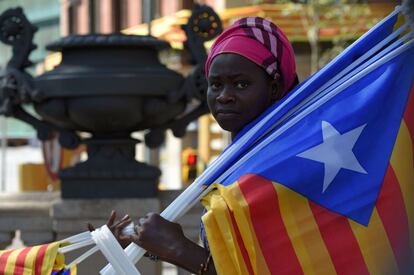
(335, 152)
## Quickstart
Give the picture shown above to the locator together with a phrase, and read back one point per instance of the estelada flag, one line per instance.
(35, 260)
(333, 194)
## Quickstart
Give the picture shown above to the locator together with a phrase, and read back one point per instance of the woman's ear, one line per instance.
(276, 89)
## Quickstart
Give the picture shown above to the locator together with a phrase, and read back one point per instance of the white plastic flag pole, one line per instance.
(83, 257)
(113, 252)
(78, 237)
(75, 246)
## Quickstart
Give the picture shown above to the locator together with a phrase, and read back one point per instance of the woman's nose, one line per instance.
(226, 96)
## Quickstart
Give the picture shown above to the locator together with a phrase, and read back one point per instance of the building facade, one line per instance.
(109, 16)
(18, 139)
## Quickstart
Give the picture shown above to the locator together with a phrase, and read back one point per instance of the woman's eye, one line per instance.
(241, 85)
(215, 85)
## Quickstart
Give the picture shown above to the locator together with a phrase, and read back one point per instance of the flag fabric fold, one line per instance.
(36, 260)
(332, 194)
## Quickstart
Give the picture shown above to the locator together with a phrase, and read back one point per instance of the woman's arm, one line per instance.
(116, 228)
(166, 240)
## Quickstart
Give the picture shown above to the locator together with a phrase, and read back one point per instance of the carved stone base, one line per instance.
(104, 188)
(111, 171)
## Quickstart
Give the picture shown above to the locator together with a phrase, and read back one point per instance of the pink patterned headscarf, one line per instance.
(263, 43)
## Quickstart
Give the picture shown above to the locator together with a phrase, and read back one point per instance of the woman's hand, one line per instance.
(116, 228)
(163, 239)
(160, 237)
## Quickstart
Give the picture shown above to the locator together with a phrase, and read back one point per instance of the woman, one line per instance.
(250, 66)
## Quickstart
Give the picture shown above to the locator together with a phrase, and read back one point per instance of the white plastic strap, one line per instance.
(113, 252)
(75, 246)
(78, 237)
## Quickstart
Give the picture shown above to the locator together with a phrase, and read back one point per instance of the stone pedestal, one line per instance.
(111, 163)
(29, 213)
(71, 216)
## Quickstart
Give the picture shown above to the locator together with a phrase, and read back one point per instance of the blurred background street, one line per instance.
(30, 187)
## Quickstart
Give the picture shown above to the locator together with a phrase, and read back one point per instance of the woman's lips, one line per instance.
(226, 113)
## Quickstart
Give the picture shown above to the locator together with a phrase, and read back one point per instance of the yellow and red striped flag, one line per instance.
(333, 194)
(35, 260)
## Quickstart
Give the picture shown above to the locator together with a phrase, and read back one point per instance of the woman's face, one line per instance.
(238, 91)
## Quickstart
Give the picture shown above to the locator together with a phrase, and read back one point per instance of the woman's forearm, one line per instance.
(166, 240)
(193, 258)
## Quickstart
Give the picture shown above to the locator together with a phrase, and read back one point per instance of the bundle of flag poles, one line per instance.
(321, 183)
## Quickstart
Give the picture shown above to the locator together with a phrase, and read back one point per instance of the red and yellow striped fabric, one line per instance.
(255, 226)
(35, 260)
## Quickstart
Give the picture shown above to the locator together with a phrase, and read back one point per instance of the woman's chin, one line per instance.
(229, 125)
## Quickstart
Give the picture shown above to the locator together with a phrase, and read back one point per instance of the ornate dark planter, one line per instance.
(108, 86)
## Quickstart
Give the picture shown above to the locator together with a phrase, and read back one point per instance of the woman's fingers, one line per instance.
(126, 217)
(117, 229)
(123, 222)
(90, 227)
(111, 219)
